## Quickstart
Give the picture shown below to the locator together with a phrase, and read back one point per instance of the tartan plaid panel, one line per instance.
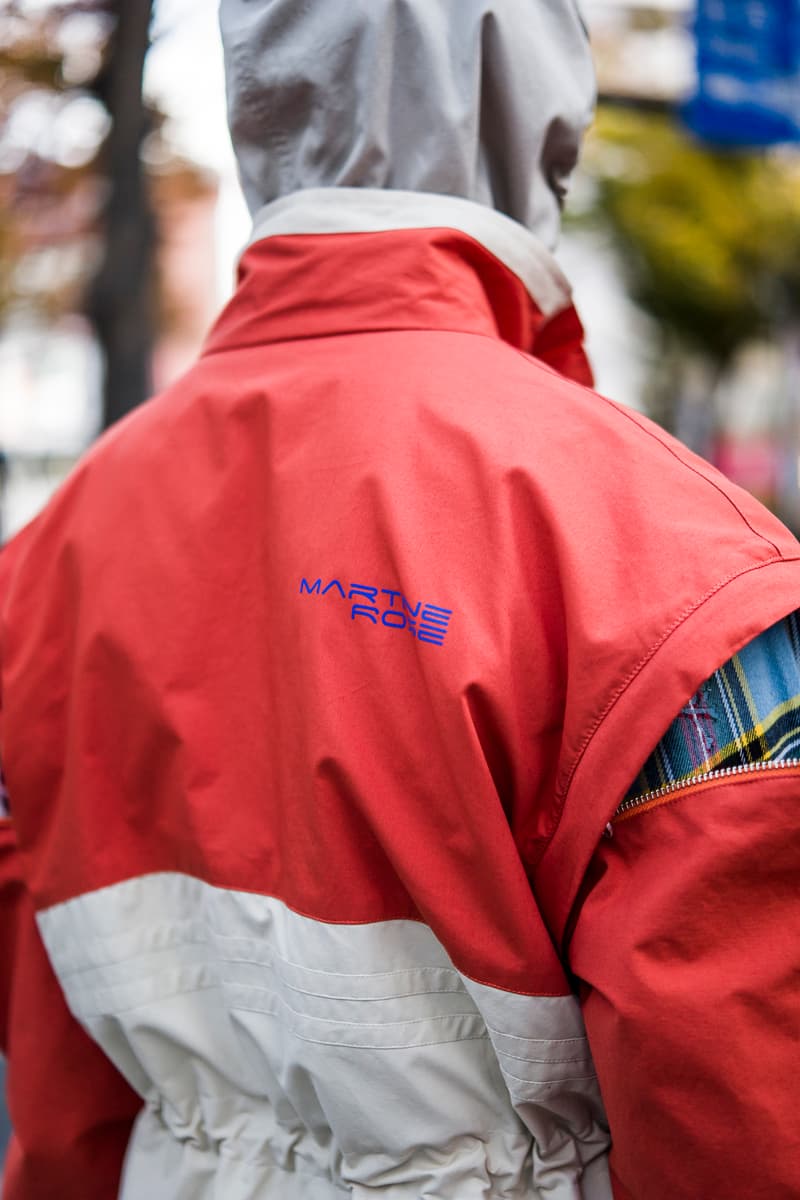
(748, 711)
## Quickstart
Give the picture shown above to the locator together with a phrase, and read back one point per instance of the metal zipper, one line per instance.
(669, 789)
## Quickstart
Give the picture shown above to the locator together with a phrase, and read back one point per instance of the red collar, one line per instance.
(322, 285)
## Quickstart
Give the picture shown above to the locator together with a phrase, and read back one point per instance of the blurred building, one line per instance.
(642, 51)
(744, 416)
(50, 368)
(747, 422)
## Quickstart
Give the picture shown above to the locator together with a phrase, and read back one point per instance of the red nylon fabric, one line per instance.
(11, 893)
(71, 1112)
(354, 614)
(687, 946)
(441, 465)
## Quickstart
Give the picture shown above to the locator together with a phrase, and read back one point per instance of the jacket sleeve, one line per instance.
(10, 893)
(687, 951)
(71, 1111)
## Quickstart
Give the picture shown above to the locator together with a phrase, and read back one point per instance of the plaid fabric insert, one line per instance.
(748, 711)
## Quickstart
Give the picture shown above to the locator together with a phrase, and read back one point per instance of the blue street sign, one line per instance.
(748, 69)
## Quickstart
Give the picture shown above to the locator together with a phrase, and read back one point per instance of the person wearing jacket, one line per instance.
(340, 862)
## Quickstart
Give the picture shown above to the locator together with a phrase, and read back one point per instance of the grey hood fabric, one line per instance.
(482, 99)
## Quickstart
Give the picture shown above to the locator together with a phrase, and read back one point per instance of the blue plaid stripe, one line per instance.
(748, 711)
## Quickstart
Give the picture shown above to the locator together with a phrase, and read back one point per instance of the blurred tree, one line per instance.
(50, 130)
(72, 125)
(84, 165)
(709, 241)
(123, 291)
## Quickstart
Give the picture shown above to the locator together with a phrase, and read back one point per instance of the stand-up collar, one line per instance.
(335, 262)
(371, 210)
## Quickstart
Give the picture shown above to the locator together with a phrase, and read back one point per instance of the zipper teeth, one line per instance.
(721, 773)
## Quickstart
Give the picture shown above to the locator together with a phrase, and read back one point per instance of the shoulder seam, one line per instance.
(640, 665)
(653, 433)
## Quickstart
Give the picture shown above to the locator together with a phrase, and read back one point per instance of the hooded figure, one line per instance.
(486, 100)
(407, 108)
(326, 671)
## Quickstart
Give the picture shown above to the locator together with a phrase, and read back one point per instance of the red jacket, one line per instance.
(322, 677)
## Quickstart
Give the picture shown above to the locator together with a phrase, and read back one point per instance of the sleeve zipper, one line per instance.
(654, 798)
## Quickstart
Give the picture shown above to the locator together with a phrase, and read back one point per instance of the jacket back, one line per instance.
(319, 678)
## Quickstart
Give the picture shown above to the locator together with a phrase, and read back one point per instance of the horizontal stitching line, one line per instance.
(518, 1037)
(71, 972)
(366, 1045)
(357, 1024)
(78, 980)
(550, 1082)
(519, 1058)
(227, 986)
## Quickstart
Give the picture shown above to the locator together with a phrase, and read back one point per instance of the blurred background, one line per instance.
(120, 223)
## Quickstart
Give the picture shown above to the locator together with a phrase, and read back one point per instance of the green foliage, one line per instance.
(709, 241)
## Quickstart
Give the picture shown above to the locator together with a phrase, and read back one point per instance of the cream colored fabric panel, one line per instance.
(541, 1046)
(285, 1057)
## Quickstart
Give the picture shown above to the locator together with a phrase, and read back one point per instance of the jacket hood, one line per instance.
(481, 99)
